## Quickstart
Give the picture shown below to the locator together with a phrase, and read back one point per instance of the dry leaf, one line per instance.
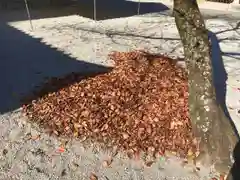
(75, 134)
(221, 177)
(61, 150)
(105, 164)
(125, 135)
(93, 176)
(149, 163)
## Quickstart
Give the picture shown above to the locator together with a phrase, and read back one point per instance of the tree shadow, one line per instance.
(25, 62)
(219, 75)
(106, 9)
(220, 78)
(237, 26)
(234, 173)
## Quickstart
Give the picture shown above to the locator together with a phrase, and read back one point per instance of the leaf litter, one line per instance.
(140, 106)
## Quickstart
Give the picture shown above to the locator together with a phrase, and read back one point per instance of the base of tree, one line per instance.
(215, 133)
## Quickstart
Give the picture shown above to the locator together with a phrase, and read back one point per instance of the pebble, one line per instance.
(64, 172)
(4, 152)
(162, 158)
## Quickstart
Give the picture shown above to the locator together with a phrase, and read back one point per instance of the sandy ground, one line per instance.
(61, 45)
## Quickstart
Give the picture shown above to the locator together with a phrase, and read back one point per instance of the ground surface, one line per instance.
(61, 45)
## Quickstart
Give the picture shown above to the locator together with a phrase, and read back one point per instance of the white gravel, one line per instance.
(89, 41)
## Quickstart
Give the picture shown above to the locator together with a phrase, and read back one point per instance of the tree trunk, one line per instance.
(211, 127)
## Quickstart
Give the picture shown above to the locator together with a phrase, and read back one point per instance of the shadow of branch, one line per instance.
(232, 55)
(111, 33)
(235, 28)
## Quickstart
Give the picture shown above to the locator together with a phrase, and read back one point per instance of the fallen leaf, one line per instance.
(93, 176)
(75, 134)
(149, 163)
(105, 164)
(61, 150)
(222, 177)
(125, 135)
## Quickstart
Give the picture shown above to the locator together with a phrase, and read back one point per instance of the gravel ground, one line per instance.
(82, 40)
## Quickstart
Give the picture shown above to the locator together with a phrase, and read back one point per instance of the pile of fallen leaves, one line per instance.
(141, 105)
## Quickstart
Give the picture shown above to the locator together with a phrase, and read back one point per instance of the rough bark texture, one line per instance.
(211, 127)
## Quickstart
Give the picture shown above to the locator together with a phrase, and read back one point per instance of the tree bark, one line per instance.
(210, 125)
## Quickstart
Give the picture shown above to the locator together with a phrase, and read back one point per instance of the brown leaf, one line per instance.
(125, 135)
(93, 176)
(85, 113)
(149, 163)
(130, 153)
(105, 164)
(221, 177)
